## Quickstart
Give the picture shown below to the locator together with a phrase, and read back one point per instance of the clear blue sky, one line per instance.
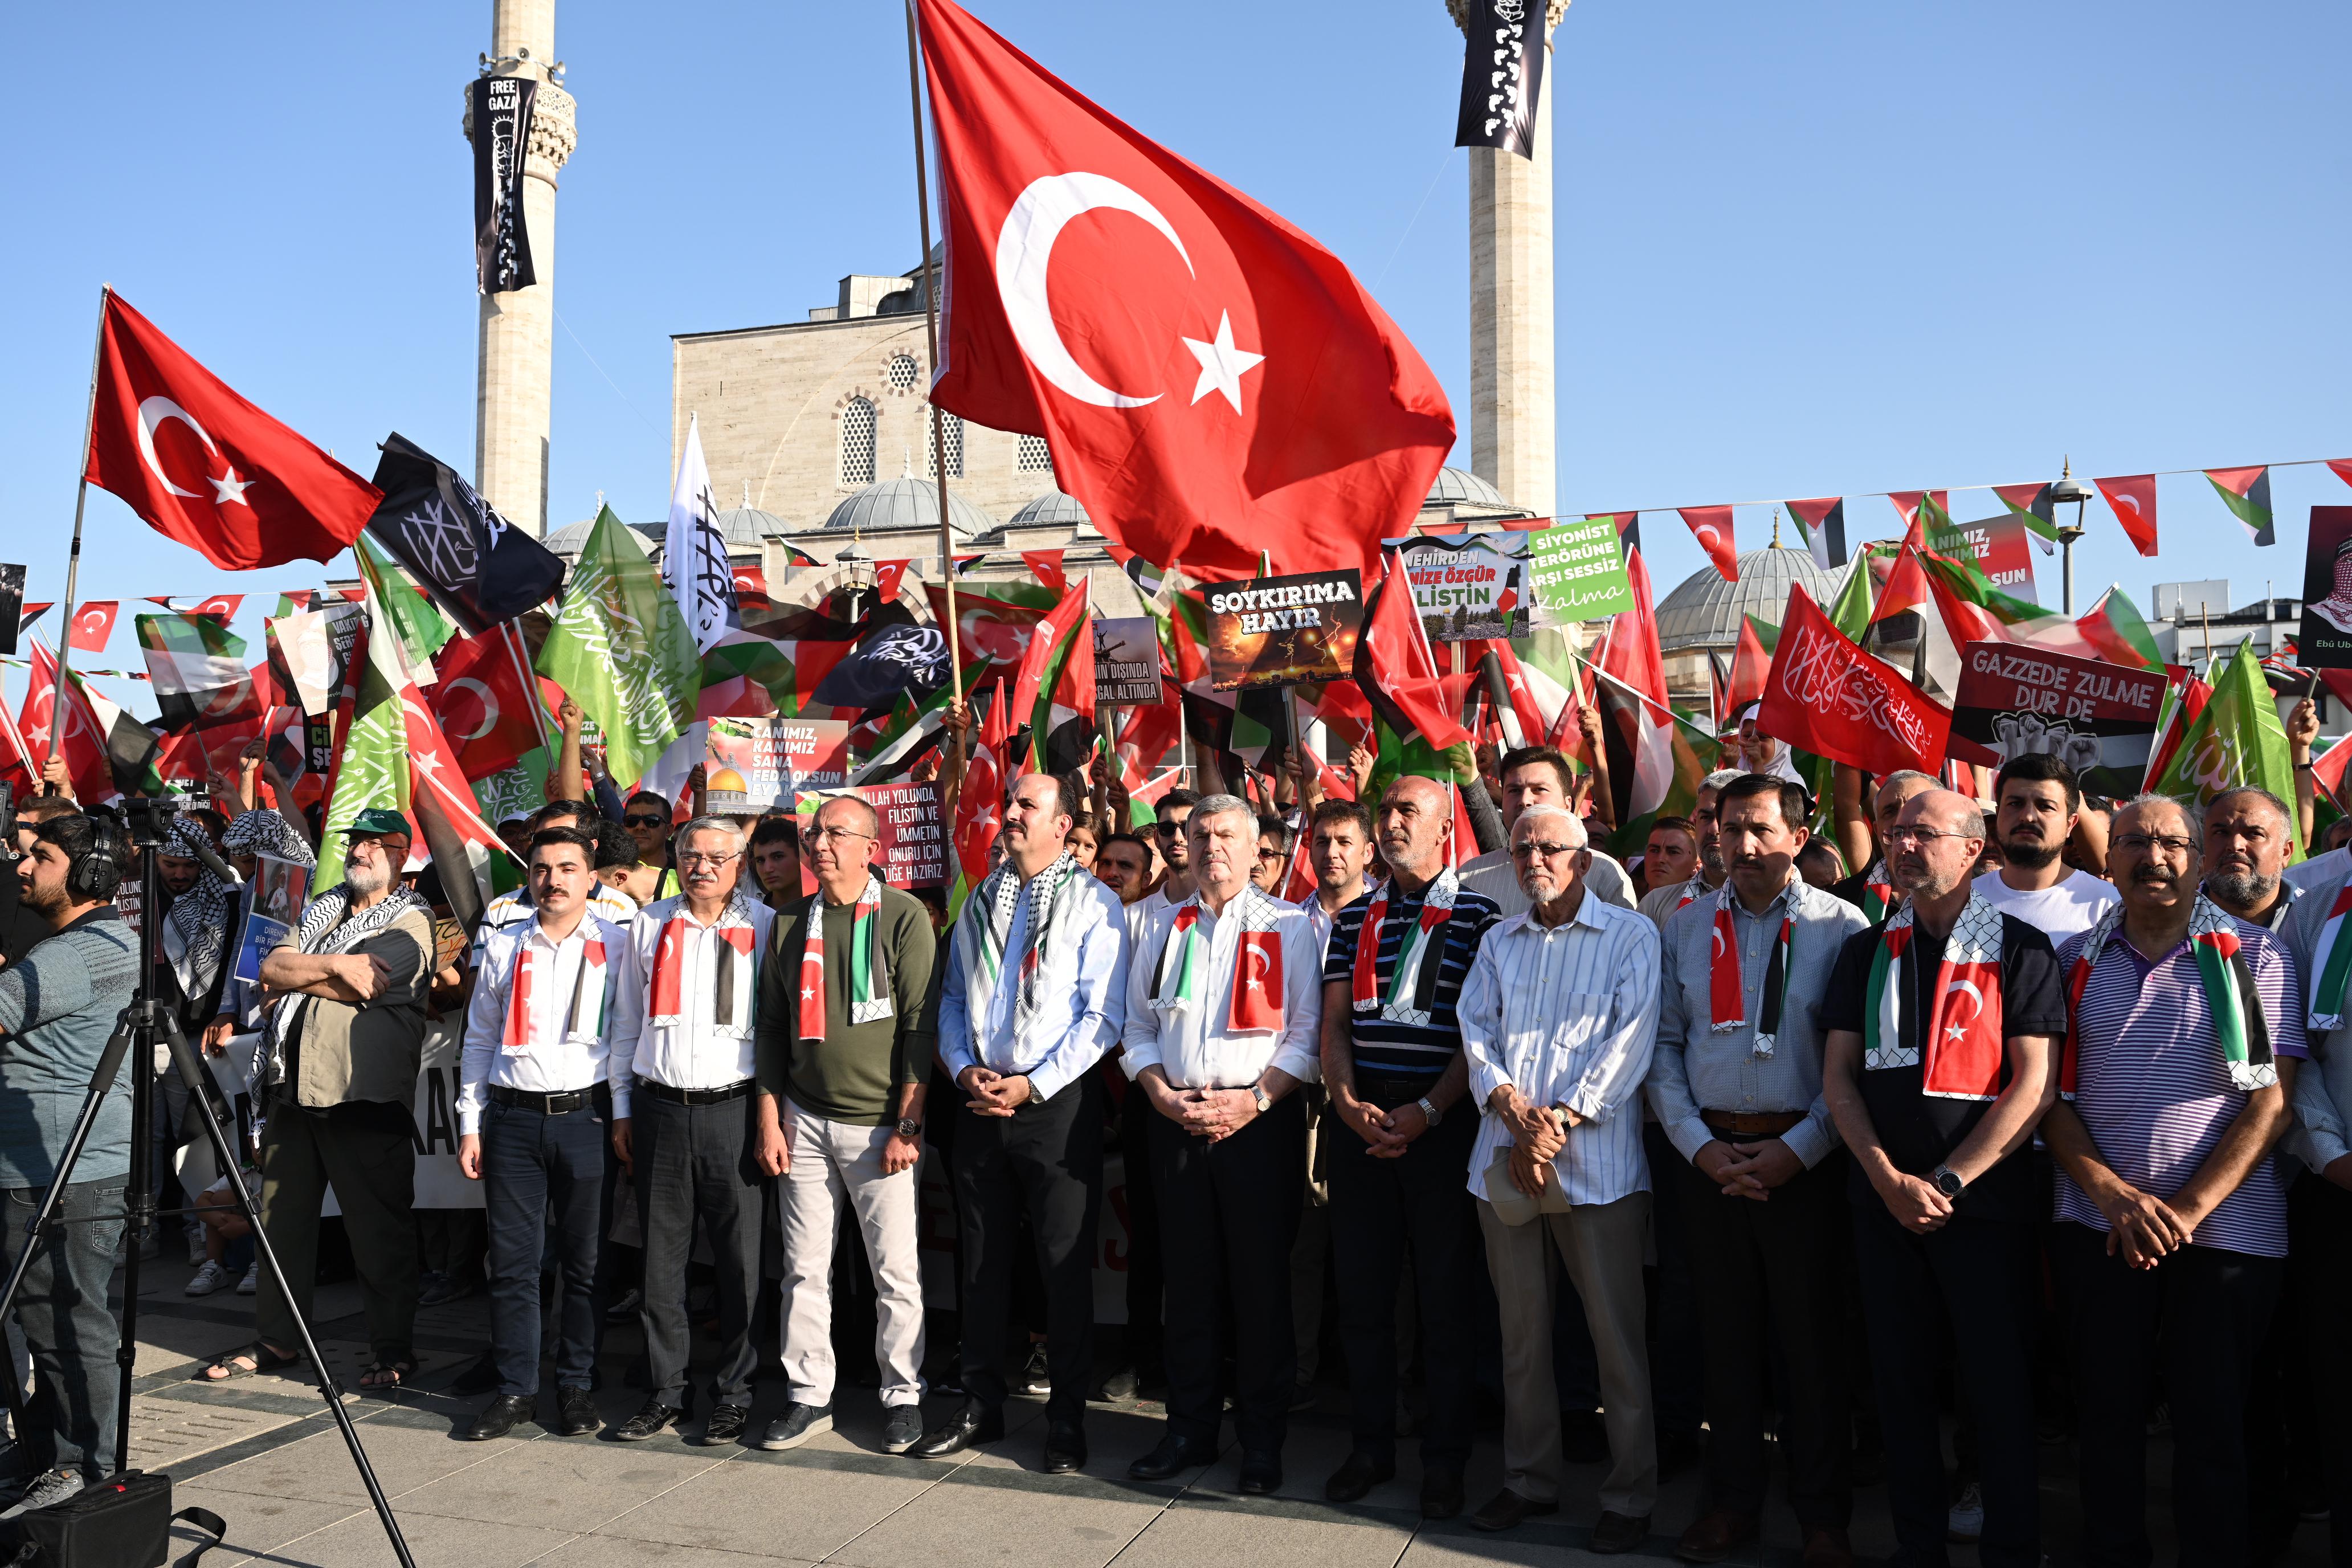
(1803, 249)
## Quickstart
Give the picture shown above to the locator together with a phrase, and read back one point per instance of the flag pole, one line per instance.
(931, 328)
(512, 635)
(81, 498)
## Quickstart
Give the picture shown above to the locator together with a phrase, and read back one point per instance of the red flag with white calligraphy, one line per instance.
(1826, 696)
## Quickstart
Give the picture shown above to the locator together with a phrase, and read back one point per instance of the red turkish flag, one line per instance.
(1045, 566)
(980, 804)
(1396, 670)
(1211, 382)
(1257, 982)
(93, 623)
(81, 740)
(221, 608)
(1825, 696)
(205, 467)
(2340, 467)
(1712, 525)
(2132, 498)
(888, 575)
(482, 705)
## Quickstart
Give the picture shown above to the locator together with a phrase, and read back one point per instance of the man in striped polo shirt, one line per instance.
(2188, 1025)
(1393, 1064)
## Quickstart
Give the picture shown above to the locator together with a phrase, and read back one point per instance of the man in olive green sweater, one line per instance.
(843, 1037)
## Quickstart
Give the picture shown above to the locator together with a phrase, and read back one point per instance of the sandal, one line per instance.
(385, 1377)
(228, 1366)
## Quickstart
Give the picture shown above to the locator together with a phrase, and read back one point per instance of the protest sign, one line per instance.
(1280, 631)
(910, 848)
(1467, 585)
(1577, 571)
(751, 765)
(1997, 546)
(2099, 718)
(2325, 636)
(278, 888)
(1127, 662)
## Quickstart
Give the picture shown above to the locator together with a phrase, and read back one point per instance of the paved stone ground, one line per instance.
(263, 1453)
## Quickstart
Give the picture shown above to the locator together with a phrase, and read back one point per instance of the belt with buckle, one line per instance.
(694, 1096)
(1752, 1123)
(562, 1103)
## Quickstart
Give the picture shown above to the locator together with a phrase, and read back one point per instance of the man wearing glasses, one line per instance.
(647, 817)
(1271, 867)
(843, 1039)
(682, 1074)
(1175, 810)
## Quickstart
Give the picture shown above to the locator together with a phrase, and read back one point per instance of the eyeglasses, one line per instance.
(645, 822)
(1922, 835)
(815, 835)
(1539, 849)
(2145, 842)
(696, 862)
(1168, 829)
(1265, 856)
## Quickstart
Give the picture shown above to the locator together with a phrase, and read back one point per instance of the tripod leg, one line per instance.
(198, 1079)
(139, 1208)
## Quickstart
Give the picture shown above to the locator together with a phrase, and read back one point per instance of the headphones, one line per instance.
(95, 873)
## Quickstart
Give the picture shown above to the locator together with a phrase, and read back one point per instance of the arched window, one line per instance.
(901, 373)
(857, 443)
(1036, 457)
(951, 438)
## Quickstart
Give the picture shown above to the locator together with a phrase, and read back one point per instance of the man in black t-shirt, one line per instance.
(1943, 1026)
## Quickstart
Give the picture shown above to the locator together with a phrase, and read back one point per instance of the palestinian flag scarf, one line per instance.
(534, 971)
(1725, 990)
(2334, 971)
(1877, 893)
(1412, 984)
(869, 965)
(985, 926)
(734, 970)
(2235, 1005)
(1181, 972)
(1962, 1054)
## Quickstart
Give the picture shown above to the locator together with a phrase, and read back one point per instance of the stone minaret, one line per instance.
(1513, 430)
(518, 343)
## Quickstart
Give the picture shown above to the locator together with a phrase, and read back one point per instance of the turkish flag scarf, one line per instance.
(1182, 972)
(1239, 392)
(534, 971)
(1727, 994)
(1961, 1056)
(869, 964)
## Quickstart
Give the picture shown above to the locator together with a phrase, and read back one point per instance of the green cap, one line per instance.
(377, 819)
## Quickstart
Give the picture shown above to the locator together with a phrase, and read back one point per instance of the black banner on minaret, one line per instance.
(1502, 75)
(501, 147)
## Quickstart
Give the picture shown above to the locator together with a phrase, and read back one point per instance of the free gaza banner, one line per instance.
(2098, 719)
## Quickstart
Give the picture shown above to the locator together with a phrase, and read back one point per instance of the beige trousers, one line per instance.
(832, 1161)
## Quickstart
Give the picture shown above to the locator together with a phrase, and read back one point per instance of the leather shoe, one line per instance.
(1827, 1548)
(726, 1425)
(499, 1416)
(975, 1423)
(1441, 1491)
(576, 1413)
(1715, 1535)
(1175, 1456)
(1358, 1474)
(1065, 1449)
(652, 1418)
(1615, 1533)
(1507, 1510)
(1261, 1473)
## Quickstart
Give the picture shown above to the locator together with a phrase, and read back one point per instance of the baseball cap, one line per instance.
(377, 819)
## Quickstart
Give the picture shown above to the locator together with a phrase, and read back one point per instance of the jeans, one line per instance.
(532, 1162)
(62, 1307)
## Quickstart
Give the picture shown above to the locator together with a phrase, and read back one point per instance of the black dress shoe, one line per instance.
(975, 1423)
(1441, 1491)
(1175, 1456)
(726, 1425)
(575, 1413)
(1357, 1476)
(499, 1416)
(1507, 1510)
(1261, 1474)
(651, 1419)
(1065, 1449)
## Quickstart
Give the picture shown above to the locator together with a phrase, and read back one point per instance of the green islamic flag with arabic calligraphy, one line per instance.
(2236, 741)
(621, 649)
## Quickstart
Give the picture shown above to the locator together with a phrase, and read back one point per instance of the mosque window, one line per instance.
(857, 443)
(951, 438)
(1036, 456)
(901, 373)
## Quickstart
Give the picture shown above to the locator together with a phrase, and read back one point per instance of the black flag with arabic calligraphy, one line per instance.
(1502, 75)
(475, 565)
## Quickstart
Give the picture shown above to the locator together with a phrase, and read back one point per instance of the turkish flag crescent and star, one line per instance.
(1211, 382)
(202, 465)
(1825, 696)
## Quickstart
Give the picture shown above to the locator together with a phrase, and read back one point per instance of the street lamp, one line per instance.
(2069, 488)
(854, 560)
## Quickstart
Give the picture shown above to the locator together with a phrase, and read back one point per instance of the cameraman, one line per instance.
(58, 1005)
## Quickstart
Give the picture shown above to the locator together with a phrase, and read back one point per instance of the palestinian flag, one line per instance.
(1042, 680)
(2032, 503)
(1857, 595)
(741, 676)
(402, 606)
(1923, 511)
(2237, 740)
(197, 667)
(2114, 626)
(2247, 493)
(1822, 522)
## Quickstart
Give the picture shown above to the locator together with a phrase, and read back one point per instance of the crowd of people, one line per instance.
(2031, 1122)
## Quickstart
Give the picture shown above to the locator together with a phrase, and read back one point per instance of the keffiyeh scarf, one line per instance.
(1962, 1054)
(1412, 984)
(986, 924)
(1878, 895)
(1726, 993)
(197, 932)
(1181, 972)
(2230, 996)
(328, 924)
(869, 963)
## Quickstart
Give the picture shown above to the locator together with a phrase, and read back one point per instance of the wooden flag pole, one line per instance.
(931, 326)
(73, 558)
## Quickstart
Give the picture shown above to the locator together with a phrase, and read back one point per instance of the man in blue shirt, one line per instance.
(58, 1005)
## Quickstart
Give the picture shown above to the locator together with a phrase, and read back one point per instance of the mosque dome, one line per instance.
(1704, 610)
(1052, 509)
(1460, 487)
(743, 527)
(905, 502)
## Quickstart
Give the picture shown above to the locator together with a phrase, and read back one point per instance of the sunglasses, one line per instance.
(645, 821)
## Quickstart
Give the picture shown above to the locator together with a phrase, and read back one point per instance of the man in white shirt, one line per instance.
(1175, 808)
(2039, 800)
(682, 1067)
(513, 908)
(1034, 994)
(1660, 902)
(1533, 776)
(1223, 1004)
(1559, 1020)
(532, 1105)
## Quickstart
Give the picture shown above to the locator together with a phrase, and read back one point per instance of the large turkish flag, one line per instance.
(205, 467)
(1212, 383)
(1826, 696)
(481, 704)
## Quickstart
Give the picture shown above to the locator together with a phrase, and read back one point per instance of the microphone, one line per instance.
(211, 861)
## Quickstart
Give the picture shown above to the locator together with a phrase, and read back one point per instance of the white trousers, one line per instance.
(831, 1160)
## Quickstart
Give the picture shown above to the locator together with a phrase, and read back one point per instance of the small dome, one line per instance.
(902, 503)
(728, 779)
(1704, 611)
(1460, 487)
(570, 539)
(1052, 509)
(743, 527)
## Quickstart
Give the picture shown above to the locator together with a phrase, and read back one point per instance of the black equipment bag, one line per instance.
(123, 1521)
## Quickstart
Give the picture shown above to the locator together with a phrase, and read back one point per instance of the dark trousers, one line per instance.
(1146, 1278)
(1676, 1387)
(2319, 1333)
(369, 1159)
(2203, 1311)
(531, 1162)
(1228, 1220)
(1781, 1263)
(1043, 1163)
(61, 1307)
(1377, 1206)
(1980, 1274)
(694, 1162)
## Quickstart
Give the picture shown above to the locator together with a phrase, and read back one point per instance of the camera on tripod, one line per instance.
(147, 819)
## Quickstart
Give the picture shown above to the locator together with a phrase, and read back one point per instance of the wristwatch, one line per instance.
(1428, 1110)
(1947, 1182)
(1265, 1100)
(910, 1128)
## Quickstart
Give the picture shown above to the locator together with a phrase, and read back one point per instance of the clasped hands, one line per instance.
(1216, 1114)
(992, 1093)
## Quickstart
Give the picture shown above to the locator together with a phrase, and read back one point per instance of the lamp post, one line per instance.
(2069, 488)
(859, 566)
